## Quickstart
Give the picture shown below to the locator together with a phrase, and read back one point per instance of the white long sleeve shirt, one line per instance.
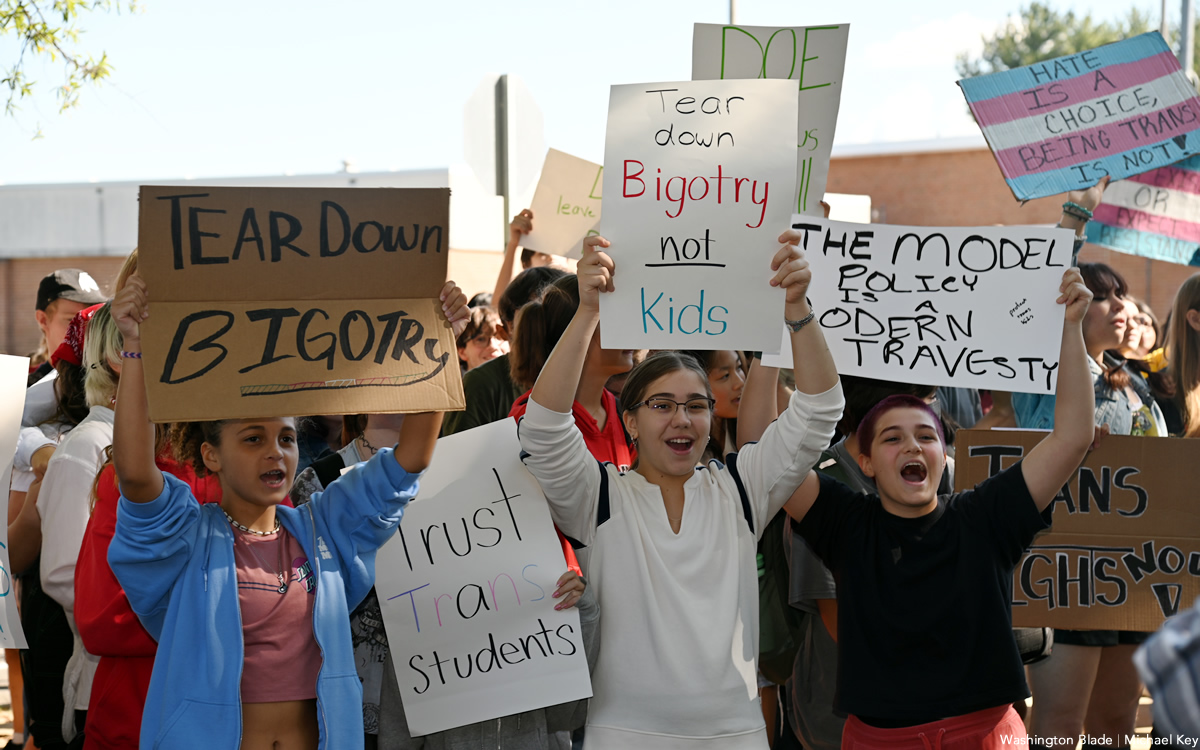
(679, 622)
(65, 507)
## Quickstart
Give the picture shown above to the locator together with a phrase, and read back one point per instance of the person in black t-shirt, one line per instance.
(924, 583)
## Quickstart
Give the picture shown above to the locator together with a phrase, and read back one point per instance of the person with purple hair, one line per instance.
(926, 655)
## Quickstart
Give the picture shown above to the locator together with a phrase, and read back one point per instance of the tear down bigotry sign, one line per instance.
(295, 301)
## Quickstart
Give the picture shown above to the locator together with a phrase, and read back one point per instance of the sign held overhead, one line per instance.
(954, 306)
(698, 182)
(566, 205)
(812, 56)
(1063, 124)
(295, 301)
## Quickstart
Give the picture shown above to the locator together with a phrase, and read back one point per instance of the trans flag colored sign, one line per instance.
(1059, 125)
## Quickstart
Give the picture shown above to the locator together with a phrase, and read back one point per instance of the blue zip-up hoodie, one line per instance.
(174, 558)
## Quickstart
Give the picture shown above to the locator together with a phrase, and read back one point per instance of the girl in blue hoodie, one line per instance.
(249, 600)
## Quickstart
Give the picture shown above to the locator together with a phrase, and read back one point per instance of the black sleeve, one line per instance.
(1003, 504)
(825, 523)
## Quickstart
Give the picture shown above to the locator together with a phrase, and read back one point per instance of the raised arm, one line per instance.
(521, 224)
(1055, 459)
(419, 433)
(760, 402)
(133, 433)
(781, 462)
(556, 384)
(811, 360)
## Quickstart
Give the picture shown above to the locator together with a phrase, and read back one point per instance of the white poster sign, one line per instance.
(952, 306)
(466, 591)
(13, 373)
(566, 205)
(698, 182)
(813, 56)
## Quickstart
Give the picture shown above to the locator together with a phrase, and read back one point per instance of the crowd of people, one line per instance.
(759, 557)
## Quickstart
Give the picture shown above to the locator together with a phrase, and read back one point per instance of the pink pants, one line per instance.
(997, 728)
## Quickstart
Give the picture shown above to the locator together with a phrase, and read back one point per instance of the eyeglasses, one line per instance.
(694, 407)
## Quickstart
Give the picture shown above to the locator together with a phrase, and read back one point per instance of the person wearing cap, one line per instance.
(60, 296)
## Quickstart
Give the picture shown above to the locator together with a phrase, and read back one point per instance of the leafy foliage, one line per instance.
(48, 29)
(1041, 33)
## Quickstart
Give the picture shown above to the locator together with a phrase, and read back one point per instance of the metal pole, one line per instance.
(733, 12)
(1187, 29)
(502, 148)
(1162, 26)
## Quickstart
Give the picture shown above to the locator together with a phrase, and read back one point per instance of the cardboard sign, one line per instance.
(1124, 549)
(813, 56)
(566, 205)
(294, 301)
(956, 306)
(1155, 214)
(466, 591)
(13, 373)
(698, 182)
(1117, 110)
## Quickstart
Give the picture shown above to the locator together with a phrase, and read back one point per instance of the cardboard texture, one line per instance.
(13, 373)
(1155, 214)
(1124, 549)
(466, 589)
(566, 205)
(813, 56)
(954, 306)
(295, 301)
(1063, 124)
(698, 182)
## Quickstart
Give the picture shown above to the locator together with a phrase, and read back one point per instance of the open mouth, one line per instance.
(914, 472)
(681, 446)
(273, 478)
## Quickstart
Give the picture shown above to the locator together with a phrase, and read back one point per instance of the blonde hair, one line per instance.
(101, 348)
(128, 268)
(1183, 355)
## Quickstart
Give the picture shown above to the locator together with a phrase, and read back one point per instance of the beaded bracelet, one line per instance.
(1071, 208)
(131, 355)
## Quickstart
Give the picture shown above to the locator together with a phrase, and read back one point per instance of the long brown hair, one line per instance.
(540, 324)
(1103, 281)
(1183, 355)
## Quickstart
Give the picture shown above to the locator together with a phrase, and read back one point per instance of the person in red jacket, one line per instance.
(107, 624)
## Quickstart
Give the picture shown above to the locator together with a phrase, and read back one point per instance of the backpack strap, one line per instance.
(741, 488)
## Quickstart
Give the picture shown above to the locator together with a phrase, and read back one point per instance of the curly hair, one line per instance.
(186, 439)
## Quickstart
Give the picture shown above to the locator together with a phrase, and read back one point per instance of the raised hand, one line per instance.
(791, 268)
(1091, 197)
(454, 307)
(129, 308)
(521, 224)
(595, 272)
(1074, 295)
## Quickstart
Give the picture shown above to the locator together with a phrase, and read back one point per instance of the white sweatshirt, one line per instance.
(64, 503)
(679, 622)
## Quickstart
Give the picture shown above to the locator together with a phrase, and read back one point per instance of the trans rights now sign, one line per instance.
(1061, 125)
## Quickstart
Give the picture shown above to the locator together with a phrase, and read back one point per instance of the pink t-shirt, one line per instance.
(282, 656)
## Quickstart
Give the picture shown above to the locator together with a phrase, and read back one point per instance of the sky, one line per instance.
(226, 88)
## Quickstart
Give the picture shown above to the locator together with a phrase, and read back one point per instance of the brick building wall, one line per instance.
(19, 279)
(965, 188)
